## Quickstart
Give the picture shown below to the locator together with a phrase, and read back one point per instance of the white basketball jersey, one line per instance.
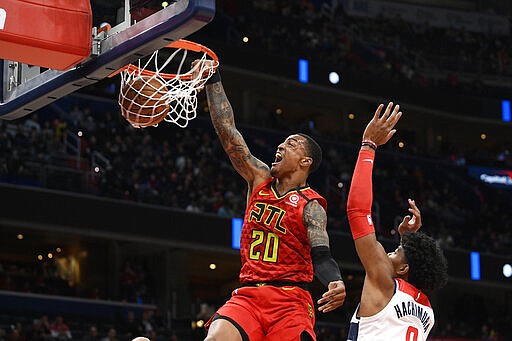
(407, 317)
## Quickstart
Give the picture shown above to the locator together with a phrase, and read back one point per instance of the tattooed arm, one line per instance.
(315, 220)
(326, 268)
(250, 168)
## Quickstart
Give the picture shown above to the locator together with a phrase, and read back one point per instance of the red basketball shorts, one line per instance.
(270, 313)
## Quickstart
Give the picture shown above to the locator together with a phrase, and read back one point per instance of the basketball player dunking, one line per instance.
(393, 302)
(284, 238)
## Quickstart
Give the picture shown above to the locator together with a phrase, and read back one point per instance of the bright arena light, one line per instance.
(334, 78)
(507, 270)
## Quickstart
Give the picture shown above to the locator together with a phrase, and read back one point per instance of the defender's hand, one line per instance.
(380, 128)
(333, 298)
(411, 224)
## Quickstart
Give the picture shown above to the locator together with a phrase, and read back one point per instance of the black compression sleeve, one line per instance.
(326, 268)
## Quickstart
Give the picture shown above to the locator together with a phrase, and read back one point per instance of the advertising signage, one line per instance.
(492, 176)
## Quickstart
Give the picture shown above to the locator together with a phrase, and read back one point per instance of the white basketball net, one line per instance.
(181, 94)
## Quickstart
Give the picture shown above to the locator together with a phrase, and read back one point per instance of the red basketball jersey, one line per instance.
(274, 245)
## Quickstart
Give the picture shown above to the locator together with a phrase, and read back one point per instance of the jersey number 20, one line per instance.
(271, 241)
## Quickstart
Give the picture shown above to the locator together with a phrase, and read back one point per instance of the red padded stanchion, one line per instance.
(56, 34)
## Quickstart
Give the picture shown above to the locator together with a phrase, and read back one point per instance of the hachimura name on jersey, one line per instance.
(274, 244)
(411, 308)
(408, 316)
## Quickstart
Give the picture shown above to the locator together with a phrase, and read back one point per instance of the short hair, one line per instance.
(314, 151)
(428, 267)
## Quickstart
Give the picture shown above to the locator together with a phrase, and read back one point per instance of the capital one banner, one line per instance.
(437, 17)
(492, 176)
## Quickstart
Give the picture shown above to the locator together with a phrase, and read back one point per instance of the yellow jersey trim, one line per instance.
(274, 190)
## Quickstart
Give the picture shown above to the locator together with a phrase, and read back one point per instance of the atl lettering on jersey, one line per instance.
(274, 245)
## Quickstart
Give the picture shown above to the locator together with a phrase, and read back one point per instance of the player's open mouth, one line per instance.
(278, 159)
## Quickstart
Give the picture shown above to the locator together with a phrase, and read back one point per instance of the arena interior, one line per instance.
(110, 232)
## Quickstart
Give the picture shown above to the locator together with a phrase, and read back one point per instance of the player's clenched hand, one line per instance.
(333, 298)
(199, 66)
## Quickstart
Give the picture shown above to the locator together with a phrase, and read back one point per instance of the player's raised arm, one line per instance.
(221, 112)
(325, 267)
(379, 270)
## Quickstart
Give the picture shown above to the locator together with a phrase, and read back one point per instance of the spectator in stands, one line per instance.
(130, 327)
(60, 329)
(92, 334)
(40, 330)
(75, 116)
(147, 323)
(111, 335)
(16, 333)
(7, 283)
(32, 123)
(45, 325)
(128, 282)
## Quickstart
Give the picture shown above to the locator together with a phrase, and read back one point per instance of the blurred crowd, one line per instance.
(44, 277)
(40, 278)
(442, 68)
(153, 325)
(62, 327)
(173, 167)
(326, 32)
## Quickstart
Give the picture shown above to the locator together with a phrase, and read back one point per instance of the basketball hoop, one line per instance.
(147, 97)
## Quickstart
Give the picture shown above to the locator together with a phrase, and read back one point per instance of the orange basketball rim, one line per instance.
(181, 87)
(178, 44)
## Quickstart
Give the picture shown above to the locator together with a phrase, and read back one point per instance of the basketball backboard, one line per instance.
(26, 88)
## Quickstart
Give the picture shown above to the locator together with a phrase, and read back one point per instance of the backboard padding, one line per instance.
(126, 46)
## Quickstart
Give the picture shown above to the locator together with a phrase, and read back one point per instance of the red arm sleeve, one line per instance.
(360, 197)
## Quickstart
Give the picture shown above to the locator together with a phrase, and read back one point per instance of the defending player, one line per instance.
(283, 239)
(393, 303)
